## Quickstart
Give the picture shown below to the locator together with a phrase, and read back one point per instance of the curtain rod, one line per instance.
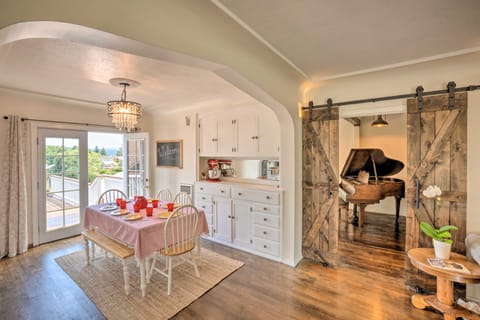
(418, 94)
(64, 122)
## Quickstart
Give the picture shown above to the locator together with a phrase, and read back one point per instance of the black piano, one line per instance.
(364, 181)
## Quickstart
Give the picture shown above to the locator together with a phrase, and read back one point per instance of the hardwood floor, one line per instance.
(33, 286)
(378, 231)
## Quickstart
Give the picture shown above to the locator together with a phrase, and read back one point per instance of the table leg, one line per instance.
(143, 284)
(445, 291)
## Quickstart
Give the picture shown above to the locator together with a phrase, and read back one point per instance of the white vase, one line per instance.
(442, 249)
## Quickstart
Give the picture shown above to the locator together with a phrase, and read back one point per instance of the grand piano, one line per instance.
(364, 181)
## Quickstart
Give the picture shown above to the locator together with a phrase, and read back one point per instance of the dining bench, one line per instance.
(116, 248)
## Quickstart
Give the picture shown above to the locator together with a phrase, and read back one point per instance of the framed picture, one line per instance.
(170, 153)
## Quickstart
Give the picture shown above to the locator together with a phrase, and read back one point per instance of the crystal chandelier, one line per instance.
(124, 113)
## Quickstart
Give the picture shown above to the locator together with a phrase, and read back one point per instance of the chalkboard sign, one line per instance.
(169, 153)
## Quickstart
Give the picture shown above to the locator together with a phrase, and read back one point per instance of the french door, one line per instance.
(62, 183)
(135, 164)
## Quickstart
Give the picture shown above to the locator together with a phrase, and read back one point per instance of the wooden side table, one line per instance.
(443, 301)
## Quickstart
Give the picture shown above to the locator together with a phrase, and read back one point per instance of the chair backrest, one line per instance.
(182, 199)
(181, 231)
(164, 195)
(111, 195)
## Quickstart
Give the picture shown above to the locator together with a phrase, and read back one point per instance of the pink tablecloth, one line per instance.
(145, 236)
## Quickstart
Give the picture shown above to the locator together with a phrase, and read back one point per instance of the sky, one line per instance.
(107, 140)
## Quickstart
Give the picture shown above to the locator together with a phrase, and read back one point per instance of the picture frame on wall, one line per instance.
(170, 153)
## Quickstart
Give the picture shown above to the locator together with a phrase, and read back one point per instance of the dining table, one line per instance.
(145, 234)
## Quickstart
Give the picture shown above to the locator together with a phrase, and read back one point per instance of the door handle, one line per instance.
(417, 193)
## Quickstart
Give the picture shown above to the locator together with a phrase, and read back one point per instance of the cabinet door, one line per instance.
(227, 136)
(223, 213)
(241, 223)
(268, 137)
(208, 136)
(248, 135)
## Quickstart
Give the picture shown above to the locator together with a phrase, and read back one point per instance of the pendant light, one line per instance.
(379, 122)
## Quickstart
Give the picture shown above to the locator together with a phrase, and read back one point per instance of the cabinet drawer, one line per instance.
(270, 197)
(202, 197)
(265, 246)
(206, 207)
(212, 189)
(266, 220)
(266, 233)
(258, 207)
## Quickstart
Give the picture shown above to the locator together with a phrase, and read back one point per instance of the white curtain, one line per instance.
(15, 195)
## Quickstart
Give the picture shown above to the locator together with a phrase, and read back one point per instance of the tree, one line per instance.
(96, 150)
(103, 152)
(119, 152)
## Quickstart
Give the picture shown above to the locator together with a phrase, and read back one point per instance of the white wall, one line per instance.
(173, 127)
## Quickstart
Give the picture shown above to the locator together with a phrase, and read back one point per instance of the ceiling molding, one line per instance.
(259, 37)
(400, 64)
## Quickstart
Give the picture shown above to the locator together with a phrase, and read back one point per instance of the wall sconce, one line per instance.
(379, 122)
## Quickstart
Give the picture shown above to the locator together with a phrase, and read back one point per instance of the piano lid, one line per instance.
(361, 159)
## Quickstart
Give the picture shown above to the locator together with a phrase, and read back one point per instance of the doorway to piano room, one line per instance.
(380, 227)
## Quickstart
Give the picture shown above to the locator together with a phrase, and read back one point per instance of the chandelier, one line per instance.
(124, 113)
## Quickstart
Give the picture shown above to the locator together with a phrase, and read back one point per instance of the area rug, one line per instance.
(102, 281)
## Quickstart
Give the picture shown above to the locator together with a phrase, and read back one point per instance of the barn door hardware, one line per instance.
(451, 90)
(420, 98)
(451, 94)
(329, 187)
(329, 106)
(417, 193)
(310, 107)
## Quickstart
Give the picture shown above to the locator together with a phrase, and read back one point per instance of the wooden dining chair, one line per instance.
(180, 233)
(164, 195)
(182, 199)
(109, 196)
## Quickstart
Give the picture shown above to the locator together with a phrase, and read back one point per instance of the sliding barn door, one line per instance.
(320, 185)
(437, 155)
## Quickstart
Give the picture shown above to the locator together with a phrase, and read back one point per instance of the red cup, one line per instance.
(170, 206)
(136, 207)
(123, 204)
(149, 211)
(155, 203)
(118, 201)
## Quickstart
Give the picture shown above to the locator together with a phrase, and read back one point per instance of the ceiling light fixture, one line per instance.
(124, 113)
(379, 122)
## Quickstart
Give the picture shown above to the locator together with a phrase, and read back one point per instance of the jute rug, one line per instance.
(102, 281)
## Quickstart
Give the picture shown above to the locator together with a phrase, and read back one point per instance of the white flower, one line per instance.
(432, 192)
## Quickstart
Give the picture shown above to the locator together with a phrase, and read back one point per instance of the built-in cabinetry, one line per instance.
(243, 216)
(251, 134)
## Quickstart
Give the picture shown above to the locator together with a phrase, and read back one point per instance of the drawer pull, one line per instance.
(264, 219)
(222, 191)
(201, 188)
(268, 197)
(203, 198)
(265, 246)
(229, 217)
(265, 209)
(264, 232)
(240, 193)
(203, 207)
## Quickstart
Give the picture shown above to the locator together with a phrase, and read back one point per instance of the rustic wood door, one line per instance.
(437, 155)
(320, 185)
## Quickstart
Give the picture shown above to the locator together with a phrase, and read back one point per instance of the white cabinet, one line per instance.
(247, 218)
(244, 134)
(208, 131)
(241, 223)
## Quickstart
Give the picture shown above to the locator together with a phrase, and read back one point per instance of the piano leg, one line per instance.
(355, 215)
(397, 212)
(361, 214)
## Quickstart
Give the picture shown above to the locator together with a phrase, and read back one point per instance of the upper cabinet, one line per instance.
(241, 134)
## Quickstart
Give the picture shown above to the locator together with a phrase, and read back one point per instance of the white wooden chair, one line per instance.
(182, 199)
(180, 239)
(164, 195)
(109, 196)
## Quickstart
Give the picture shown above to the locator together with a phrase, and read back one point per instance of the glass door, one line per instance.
(62, 177)
(135, 163)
